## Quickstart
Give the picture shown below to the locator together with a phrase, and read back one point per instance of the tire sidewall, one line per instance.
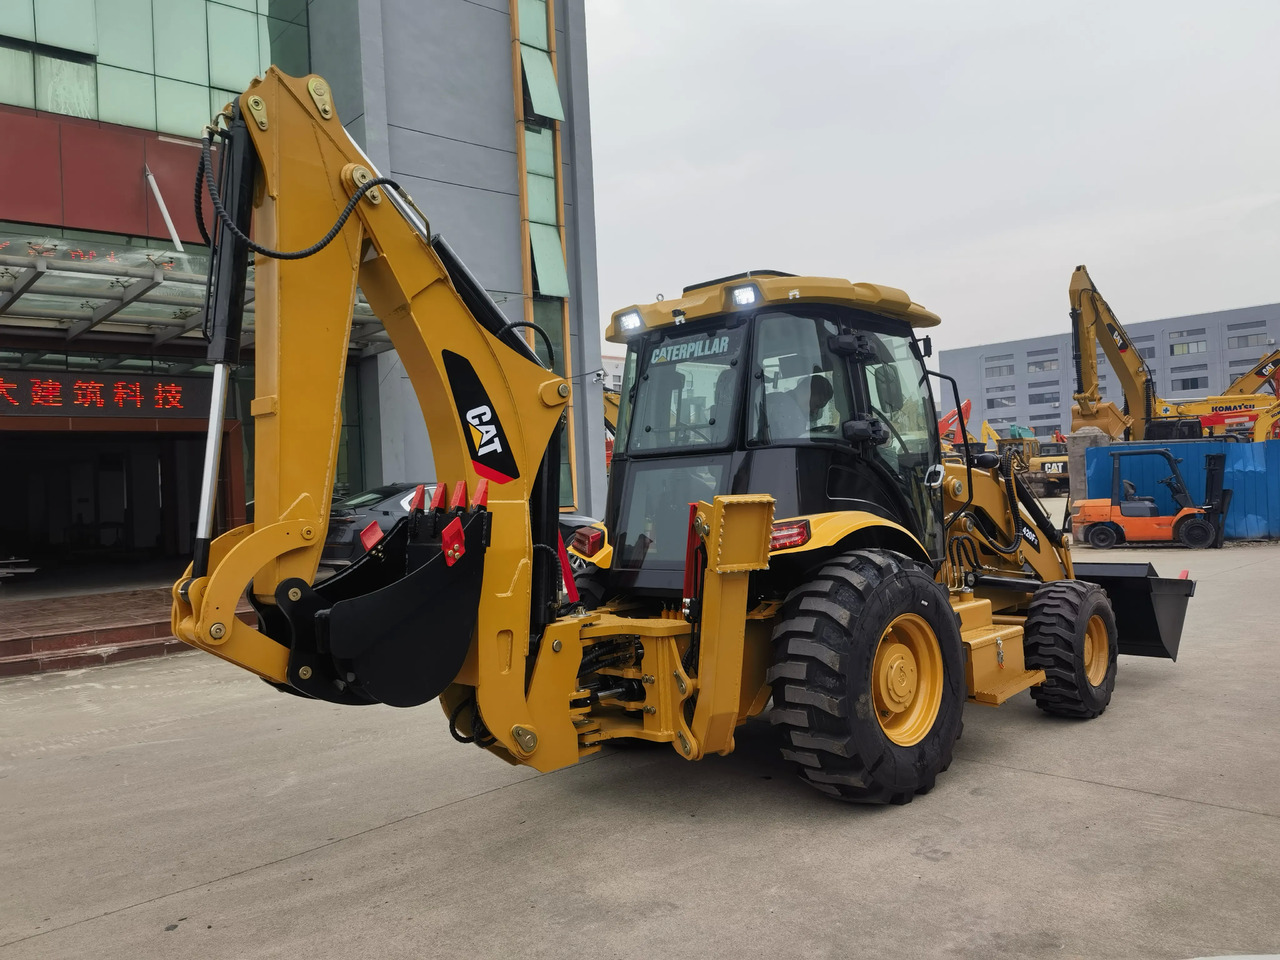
(911, 591)
(1104, 530)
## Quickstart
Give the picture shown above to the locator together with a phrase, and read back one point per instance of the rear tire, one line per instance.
(868, 678)
(1101, 535)
(1070, 634)
(1196, 532)
(591, 584)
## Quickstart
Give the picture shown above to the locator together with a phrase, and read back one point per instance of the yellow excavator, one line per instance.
(1146, 416)
(781, 525)
(1258, 380)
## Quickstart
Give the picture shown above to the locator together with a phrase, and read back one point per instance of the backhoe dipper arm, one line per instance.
(399, 624)
(1093, 325)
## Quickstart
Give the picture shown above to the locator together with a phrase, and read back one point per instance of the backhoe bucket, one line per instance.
(395, 626)
(1149, 609)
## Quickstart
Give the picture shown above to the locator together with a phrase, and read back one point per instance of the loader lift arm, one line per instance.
(492, 412)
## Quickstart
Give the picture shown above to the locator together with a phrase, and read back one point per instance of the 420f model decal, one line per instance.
(490, 454)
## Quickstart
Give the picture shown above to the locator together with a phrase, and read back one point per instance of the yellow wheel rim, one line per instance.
(1097, 651)
(906, 680)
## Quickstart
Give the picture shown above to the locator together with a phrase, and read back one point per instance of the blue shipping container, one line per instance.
(1252, 473)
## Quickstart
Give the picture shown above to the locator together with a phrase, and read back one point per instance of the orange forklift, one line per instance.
(1129, 518)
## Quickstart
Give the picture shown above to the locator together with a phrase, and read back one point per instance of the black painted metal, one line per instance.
(229, 259)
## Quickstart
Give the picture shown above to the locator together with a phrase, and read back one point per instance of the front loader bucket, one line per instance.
(1149, 609)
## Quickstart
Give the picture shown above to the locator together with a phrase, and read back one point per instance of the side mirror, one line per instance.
(888, 387)
(926, 347)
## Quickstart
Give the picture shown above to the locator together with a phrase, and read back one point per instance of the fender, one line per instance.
(831, 529)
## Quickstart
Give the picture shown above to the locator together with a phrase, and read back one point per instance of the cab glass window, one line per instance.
(686, 391)
(799, 388)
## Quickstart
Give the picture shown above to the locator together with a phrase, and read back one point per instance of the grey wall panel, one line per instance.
(482, 226)
(449, 70)
(434, 157)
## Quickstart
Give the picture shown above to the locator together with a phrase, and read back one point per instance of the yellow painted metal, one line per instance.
(829, 529)
(1095, 325)
(1097, 650)
(737, 542)
(990, 498)
(907, 679)
(718, 299)
(1261, 377)
(994, 667)
(303, 322)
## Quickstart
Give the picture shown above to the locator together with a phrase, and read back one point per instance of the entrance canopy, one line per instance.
(64, 293)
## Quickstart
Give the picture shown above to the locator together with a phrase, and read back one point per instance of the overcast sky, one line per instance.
(971, 153)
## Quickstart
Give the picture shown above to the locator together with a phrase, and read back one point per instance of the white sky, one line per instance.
(971, 153)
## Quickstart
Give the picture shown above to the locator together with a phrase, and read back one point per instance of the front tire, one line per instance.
(868, 678)
(1101, 535)
(1070, 634)
(1196, 532)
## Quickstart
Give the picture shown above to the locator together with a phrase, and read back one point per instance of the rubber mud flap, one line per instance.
(406, 642)
(1150, 610)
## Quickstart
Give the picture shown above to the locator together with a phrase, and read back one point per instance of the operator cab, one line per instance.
(823, 405)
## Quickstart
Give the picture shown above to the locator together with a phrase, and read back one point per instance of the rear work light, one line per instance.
(588, 541)
(789, 533)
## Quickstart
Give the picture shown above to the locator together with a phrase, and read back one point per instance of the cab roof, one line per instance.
(716, 297)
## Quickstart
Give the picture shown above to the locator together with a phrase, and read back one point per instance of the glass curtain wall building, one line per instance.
(478, 106)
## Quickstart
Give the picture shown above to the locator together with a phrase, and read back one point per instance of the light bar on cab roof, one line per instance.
(745, 295)
(630, 321)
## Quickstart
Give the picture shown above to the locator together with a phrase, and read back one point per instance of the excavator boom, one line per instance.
(1262, 377)
(357, 637)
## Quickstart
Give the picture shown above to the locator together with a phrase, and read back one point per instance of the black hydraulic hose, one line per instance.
(546, 340)
(206, 167)
(1012, 493)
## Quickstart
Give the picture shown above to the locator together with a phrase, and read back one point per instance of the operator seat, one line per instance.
(1136, 506)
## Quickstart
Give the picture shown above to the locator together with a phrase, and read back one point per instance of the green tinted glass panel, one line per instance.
(124, 35)
(549, 315)
(548, 260)
(66, 87)
(181, 41)
(17, 78)
(233, 47)
(181, 108)
(289, 50)
(533, 23)
(69, 24)
(541, 80)
(294, 10)
(264, 44)
(250, 5)
(126, 97)
(18, 19)
(219, 99)
(542, 199)
(540, 151)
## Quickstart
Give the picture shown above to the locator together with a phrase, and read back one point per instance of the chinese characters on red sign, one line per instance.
(119, 395)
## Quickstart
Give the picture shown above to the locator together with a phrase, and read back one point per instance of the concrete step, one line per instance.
(94, 655)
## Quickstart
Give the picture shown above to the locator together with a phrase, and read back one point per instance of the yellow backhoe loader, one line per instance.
(781, 526)
(1146, 416)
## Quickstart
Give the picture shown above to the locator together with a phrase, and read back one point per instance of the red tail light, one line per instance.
(789, 533)
(588, 541)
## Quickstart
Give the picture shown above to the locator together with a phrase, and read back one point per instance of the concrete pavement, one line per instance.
(182, 808)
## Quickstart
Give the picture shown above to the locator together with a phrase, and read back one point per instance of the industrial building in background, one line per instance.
(478, 108)
(1030, 382)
